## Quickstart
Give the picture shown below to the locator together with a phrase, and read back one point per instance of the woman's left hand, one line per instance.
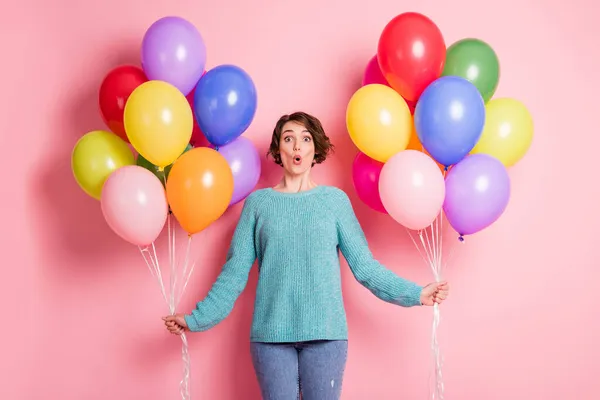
(434, 293)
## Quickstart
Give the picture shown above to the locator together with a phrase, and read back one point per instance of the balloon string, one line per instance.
(151, 259)
(431, 244)
(154, 269)
(184, 384)
(186, 274)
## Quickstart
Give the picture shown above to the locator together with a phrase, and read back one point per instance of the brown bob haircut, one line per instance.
(323, 145)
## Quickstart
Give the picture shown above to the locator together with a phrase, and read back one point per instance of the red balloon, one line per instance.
(114, 92)
(411, 53)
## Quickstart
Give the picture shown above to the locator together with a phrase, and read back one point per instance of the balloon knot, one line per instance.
(161, 169)
(461, 238)
(216, 148)
(446, 168)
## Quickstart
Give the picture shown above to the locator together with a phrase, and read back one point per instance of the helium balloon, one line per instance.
(477, 62)
(158, 122)
(378, 121)
(95, 156)
(115, 89)
(477, 193)
(365, 177)
(224, 103)
(411, 53)
(244, 161)
(199, 188)
(508, 131)
(173, 51)
(373, 73)
(412, 189)
(134, 205)
(449, 119)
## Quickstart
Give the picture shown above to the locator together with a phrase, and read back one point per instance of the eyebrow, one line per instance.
(291, 131)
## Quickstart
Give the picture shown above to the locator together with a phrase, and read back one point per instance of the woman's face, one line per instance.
(296, 148)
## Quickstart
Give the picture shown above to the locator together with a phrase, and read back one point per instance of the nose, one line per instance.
(296, 146)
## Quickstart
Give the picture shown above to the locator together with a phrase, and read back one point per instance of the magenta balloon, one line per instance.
(477, 193)
(134, 204)
(244, 161)
(373, 73)
(365, 176)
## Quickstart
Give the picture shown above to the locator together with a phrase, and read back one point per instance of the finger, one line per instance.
(442, 285)
(441, 296)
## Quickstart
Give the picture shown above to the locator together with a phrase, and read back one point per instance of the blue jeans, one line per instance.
(315, 369)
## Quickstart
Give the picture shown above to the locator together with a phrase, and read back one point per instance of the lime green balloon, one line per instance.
(162, 175)
(476, 61)
(97, 155)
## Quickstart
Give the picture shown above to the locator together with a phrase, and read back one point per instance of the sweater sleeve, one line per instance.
(382, 282)
(232, 280)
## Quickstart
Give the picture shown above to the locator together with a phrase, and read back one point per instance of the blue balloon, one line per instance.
(449, 119)
(224, 103)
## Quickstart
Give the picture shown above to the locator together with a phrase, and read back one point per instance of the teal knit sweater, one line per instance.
(295, 237)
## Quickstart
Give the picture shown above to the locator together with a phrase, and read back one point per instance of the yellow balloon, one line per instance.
(97, 155)
(378, 121)
(158, 121)
(508, 131)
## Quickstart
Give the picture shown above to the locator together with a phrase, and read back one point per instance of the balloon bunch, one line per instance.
(431, 138)
(162, 111)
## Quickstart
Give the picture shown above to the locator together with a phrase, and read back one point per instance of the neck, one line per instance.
(296, 183)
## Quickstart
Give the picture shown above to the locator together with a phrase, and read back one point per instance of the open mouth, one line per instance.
(297, 160)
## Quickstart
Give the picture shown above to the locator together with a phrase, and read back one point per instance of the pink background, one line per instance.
(82, 315)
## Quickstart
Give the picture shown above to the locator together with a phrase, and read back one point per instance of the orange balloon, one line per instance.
(415, 144)
(199, 188)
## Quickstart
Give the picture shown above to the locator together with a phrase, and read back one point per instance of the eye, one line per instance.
(287, 139)
(307, 138)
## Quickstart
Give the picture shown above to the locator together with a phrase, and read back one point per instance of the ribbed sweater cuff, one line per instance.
(191, 323)
(411, 297)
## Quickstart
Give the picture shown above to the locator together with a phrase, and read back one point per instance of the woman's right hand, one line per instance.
(175, 324)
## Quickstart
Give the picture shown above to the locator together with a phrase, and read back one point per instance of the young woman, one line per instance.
(295, 229)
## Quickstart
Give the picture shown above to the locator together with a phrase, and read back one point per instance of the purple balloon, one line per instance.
(244, 161)
(477, 193)
(173, 51)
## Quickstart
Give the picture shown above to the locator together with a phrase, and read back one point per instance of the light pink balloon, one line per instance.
(412, 189)
(365, 177)
(373, 73)
(134, 204)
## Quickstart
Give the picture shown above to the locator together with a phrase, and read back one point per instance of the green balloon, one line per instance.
(161, 175)
(477, 62)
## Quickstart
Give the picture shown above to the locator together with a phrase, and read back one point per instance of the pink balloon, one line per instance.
(134, 204)
(373, 73)
(365, 176)
(412, 189)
